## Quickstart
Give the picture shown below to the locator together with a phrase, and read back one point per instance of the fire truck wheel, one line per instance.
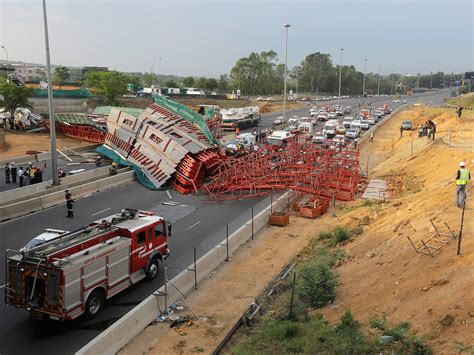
(94, 303)
(152, 270)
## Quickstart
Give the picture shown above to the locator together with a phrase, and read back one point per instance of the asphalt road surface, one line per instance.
(78, 161)
(434, 98)
(20, 335)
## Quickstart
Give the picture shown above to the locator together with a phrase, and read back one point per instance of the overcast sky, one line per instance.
(205, 38)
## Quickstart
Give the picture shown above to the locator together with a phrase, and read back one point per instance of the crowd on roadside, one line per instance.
(427, 129)
(30, 175)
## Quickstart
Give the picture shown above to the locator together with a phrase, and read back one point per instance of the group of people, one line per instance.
(12, 124)
(427, 129)
(33, 173)
(259, 135)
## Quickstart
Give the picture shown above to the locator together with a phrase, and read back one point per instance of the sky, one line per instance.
(205, 38)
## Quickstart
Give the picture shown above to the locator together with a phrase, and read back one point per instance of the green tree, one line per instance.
(223, 83)
(108, 85)
(210, 84)
(256, 74)
(200, 83)
(188, 82)
(61, 74)
(171, 84)
(149, 79)
(14, 96)
(316, 72)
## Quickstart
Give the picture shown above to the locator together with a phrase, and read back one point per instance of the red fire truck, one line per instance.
(76, 272)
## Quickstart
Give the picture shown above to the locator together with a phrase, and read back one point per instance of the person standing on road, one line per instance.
(7, 173)
(462, 178)
(371, 137)
(401, 131)
(20, 176)
(13, 172)
(69, 204)
(459, 111)
(355, 143)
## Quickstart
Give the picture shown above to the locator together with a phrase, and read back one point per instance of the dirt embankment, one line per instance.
(381, 273)
(19, 144)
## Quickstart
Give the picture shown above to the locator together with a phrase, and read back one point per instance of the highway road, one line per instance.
(19, 335)
(434, 98)
(78, 161)
(199, 219)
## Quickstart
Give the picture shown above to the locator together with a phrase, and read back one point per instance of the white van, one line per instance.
(279, 138)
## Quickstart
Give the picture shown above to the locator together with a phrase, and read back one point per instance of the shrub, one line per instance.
(325, 235)
(367, 203)
(341, 234)
(357, 230)
(403, 340)
(316, 284)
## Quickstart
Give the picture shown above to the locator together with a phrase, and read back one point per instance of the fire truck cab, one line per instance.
(76, 272)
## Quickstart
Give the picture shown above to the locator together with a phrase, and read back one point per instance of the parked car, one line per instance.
(319, 138)
(278, 121)
(355, 124)
(352, 133)
(340, 129)
(407, 125)
(371, 120)
(378, 114)
(339, 112)
(396, 101)
(322, 116)
(347, 109)
(332, 115)
(347, 122)
(364, 124)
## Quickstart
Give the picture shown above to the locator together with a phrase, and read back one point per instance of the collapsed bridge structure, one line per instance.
(167, 142)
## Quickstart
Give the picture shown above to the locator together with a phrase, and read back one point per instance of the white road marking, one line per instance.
(169, 195)
(100, 211)
(194, 225)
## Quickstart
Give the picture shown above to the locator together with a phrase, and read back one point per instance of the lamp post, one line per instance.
(52, 123)
(286, 69)
(378, 86)
(340, 74)
(363, 84)
(393, 83)
(152, 69)
(6, 71)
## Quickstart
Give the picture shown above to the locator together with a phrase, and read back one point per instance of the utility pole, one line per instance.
(378, 86)
(431, 81)
(286, 69)
(363, 85)
(340, 73)
(52, 122)
(6, 71)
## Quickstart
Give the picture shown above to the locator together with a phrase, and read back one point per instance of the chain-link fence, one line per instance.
(243, 223)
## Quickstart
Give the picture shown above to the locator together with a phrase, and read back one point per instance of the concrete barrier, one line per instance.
(121, 332)
(56, 198)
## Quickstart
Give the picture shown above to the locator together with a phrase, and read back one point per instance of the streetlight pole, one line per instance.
(286, 69)
(152, 69)
(340, 74)
(378, 86)
(363, 84)
(6, 71)
(52, 122)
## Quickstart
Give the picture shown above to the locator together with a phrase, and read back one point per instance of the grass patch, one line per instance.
(336, 236)
(367, 203)
(316, 336)
(316, 283)
(463, 101)
(412, 184)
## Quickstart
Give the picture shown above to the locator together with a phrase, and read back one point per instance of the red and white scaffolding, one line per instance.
(300, 166)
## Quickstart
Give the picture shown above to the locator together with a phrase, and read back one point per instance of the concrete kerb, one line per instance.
(56, 198)
(121, 332)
